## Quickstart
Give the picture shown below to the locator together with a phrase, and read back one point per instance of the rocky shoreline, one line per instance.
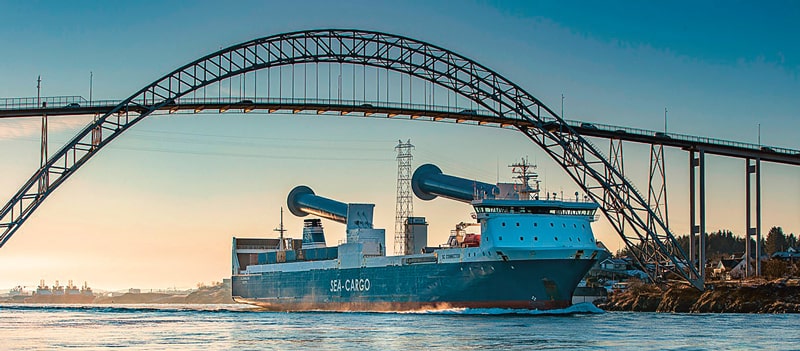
(780, 296)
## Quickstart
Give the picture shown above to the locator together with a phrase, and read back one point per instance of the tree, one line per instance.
(776, 241)
(791, 241)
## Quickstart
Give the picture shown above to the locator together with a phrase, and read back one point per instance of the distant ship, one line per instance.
(530, 253)
(61, 294)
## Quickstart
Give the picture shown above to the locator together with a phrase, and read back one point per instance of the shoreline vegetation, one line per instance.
(749, 296)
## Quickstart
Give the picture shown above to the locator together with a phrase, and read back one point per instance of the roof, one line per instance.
(786, 254)
(615, 261)
(729, 264)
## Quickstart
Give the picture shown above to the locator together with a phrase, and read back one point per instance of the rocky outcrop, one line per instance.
(211, 294)
(771, 297)
(215, 294)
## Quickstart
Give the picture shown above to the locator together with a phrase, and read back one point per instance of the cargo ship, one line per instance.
(530, 253)
(69, 294)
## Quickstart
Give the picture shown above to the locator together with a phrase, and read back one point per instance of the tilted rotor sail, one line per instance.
(357, 217)
(302, 201)
(429, 182)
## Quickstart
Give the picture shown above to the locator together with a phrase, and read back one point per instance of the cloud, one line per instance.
(17, 128)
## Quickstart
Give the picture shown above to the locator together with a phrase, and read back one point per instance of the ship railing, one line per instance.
(254, 247)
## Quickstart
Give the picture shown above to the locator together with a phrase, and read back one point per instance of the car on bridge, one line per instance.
(73, 105)
(469, 112)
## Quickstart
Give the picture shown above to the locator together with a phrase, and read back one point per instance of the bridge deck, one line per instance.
(64, 106)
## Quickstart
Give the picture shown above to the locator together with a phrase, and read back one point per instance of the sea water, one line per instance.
(240, 327)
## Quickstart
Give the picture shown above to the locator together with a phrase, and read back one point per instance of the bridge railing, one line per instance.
(683, 137)
(19, 103)
(336, 102)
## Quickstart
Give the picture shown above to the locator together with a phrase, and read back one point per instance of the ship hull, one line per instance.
(61, 299)
(519, 284)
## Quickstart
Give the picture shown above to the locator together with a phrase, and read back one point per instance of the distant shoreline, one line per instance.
(218, 294)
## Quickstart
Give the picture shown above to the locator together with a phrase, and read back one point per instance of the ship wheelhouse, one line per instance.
(553, 207)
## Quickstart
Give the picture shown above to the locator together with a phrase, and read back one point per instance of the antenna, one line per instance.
(281, 230)
(523, 171)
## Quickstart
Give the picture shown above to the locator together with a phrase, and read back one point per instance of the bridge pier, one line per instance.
(753, 167)
(697, 249)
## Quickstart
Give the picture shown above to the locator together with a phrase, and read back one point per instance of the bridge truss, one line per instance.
(641, 226)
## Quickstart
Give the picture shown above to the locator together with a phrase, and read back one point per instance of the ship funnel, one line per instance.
(302, 201)
(428, 182)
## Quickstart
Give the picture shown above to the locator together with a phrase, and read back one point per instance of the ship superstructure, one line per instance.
(61, 294)
(529, 253)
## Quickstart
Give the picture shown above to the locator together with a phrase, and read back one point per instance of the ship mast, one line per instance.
(281, 230)
(524, 172)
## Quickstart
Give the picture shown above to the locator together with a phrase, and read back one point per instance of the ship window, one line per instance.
(584, 226)
(555, 237)
(564, 225)
(574, 225)
(499, 238)
(570, 238)
(504, 224)
(517, 224)
(551, 224)
(535, 224)
(579, 239)
(520, 239)
(535, 238)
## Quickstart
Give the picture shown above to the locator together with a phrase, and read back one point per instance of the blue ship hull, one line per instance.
(526, 284)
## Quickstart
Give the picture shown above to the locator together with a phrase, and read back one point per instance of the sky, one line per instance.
(157, 208)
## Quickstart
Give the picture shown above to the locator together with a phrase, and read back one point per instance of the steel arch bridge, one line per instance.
(641, 227)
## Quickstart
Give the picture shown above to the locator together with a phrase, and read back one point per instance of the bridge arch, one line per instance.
(649, 240)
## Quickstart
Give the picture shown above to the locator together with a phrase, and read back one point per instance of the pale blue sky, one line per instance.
(720, 67)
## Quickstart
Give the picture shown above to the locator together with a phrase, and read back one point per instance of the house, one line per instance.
(790, 254)
(738, 271)
(614, 264)
(724, 266)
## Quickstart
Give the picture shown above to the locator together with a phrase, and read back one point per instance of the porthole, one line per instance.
(555, 237)
(579, 239)
(570, 238)
(500, 238)
(535, 238)
(535, 224)
(517, 224)
(551, 224)
(564, 225)
(583, 226)
(504, 224)
(521, 239)
(574, 225)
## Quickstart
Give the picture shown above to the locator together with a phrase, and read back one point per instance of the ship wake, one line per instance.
(580, 308)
